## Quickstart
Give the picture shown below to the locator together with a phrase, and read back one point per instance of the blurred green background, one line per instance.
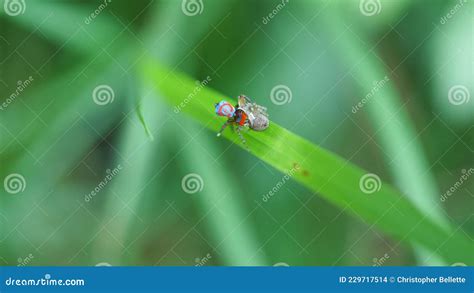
(90, 179)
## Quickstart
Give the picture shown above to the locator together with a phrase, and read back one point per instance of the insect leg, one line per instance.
(223, 127)
(239, 128)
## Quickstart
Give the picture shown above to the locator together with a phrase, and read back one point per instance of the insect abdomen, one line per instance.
(260, 123)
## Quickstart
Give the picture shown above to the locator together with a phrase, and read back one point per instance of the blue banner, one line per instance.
(237, 279)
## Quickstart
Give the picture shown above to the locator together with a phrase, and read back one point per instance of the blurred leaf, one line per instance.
(221, 206)
(452, 65)
(126, 190)
(66, 25)
(404, 154)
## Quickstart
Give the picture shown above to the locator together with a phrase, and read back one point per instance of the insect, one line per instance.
(245, 114)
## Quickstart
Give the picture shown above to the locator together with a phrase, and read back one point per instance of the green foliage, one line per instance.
(323, 172)
(327, 52)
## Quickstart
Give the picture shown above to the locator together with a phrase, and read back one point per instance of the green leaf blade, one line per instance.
(334, 178)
